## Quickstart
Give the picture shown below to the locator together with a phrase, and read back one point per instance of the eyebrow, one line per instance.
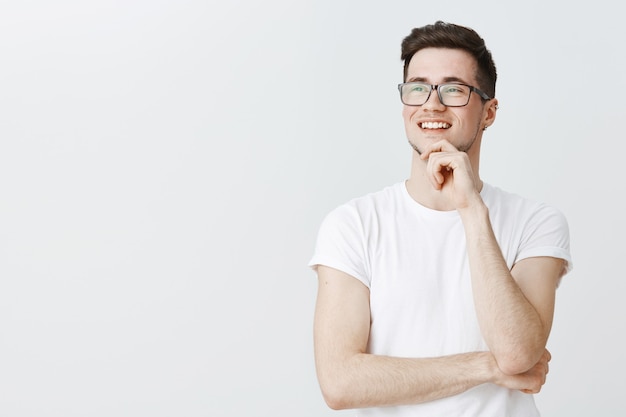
(445, 80)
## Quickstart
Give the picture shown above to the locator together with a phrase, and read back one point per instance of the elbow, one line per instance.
(341, 386)
(335, 403)
(513, 367)
(339, 391)
(336, 396)
(516, 364)
(517, 358)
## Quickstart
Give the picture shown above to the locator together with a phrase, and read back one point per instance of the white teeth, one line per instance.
(434, 125)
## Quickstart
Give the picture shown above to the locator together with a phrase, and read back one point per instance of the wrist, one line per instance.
(475, 209)
(488, 367)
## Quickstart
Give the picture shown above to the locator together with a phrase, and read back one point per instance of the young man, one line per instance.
(436, 295)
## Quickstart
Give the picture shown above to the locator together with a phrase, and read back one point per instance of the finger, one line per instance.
(440, 146)
(436, 179)
(436, 166)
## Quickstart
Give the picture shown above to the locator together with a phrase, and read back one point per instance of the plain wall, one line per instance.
(165, 165)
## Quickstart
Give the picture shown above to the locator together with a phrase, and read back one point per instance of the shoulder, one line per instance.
(389, 198)
(362, 215)
(505, 203)
(345, 235)
(537, 228)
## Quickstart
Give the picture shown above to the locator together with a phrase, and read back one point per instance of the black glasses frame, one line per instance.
(435, 87)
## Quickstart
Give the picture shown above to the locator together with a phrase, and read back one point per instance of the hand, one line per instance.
(450, 171)
(529, 382)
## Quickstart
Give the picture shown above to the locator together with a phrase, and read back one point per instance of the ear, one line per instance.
(489, 113)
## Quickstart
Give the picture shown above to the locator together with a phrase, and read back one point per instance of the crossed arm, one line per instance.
(351, 378)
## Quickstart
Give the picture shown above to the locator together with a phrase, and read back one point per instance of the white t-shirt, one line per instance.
(414, 261)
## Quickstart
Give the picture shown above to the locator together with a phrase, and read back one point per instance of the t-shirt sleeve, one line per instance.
(341, 244)
(547, 234)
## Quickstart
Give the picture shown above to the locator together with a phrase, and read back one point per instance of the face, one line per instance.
(432, 121)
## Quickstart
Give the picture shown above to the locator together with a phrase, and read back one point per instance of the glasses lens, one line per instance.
(415, 94)
(454, 94)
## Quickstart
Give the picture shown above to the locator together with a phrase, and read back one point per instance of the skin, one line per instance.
(514, 307)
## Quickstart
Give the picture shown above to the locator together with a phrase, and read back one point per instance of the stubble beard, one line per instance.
(463, 148)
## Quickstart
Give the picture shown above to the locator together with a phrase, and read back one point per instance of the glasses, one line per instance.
(450, 95)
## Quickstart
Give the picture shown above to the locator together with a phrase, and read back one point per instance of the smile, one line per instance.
(434, 125)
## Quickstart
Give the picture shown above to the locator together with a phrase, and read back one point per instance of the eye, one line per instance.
(419, 88)
(453, 89)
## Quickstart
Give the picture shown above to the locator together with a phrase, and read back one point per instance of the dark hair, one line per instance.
(448, 35)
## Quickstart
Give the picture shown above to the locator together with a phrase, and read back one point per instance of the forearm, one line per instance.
(365, 380)
(511, 326)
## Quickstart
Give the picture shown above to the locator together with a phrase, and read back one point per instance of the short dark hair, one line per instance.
(448, 35)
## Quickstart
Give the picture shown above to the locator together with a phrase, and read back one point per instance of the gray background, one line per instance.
(164, 166)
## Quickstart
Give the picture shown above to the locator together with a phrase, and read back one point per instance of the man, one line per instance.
(436, 295)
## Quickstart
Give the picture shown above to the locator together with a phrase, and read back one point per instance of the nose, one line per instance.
(433, 102)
